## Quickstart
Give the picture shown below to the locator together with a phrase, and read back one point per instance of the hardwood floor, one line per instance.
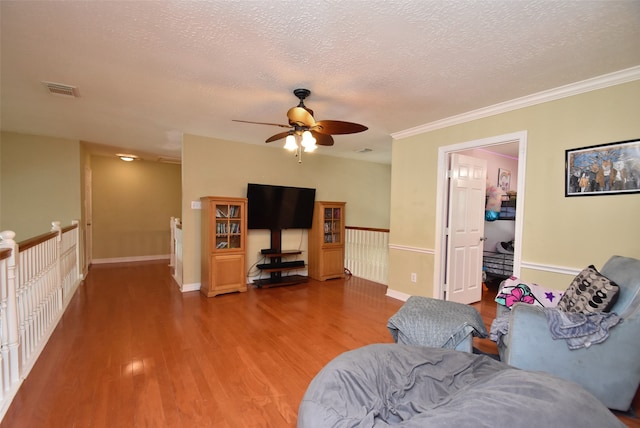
(132, 351)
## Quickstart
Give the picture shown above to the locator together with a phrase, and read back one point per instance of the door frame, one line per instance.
(88, 218)
(442, 201)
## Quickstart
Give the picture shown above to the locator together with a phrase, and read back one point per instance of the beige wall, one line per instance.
(132, 204)
(40, 182)
(558, 232)
(215, 167)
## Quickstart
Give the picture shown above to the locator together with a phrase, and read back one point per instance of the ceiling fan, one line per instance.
(301, 120)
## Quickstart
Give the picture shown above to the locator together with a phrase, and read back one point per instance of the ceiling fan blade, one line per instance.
(262, 123)
(277, 137)
(301, 117)
(322, 139)
(336, 127)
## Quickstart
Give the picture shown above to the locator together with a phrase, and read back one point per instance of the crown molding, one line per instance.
(595, 83)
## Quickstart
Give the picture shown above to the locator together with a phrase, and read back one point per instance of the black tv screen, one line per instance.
(279, 207)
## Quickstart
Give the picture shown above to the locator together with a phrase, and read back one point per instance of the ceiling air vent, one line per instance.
(62, 90)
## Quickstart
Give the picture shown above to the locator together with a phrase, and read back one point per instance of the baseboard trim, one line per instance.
(186, 288)
(398, 295)
(131, 259)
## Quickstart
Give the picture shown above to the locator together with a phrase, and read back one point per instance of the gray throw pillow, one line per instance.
(590, 291)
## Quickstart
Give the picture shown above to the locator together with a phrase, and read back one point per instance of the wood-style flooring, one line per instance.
(133, 351)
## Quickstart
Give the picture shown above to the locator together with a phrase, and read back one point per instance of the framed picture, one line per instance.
(504, 179)
(606, 169)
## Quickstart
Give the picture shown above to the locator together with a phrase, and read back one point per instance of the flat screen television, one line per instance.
(279, 207)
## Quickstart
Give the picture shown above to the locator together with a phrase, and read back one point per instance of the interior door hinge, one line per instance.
(449, 173)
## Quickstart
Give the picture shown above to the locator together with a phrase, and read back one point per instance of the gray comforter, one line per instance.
(397, 385)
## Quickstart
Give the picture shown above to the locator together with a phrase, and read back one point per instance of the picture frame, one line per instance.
(604, 169)
(504, 179)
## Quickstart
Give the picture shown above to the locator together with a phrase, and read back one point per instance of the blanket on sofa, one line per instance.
(578, 330)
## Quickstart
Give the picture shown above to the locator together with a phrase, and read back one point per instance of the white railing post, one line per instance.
(55, 227)
(69, 262)
(10, 346)
(77, 243)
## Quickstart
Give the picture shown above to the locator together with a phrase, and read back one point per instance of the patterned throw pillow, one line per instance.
(514, 290)
(590, 291)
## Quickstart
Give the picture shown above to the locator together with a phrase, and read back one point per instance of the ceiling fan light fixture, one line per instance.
(308, 140)
(305, 134)
(290, 143)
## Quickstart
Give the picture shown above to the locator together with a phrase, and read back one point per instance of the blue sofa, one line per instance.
(609, 370)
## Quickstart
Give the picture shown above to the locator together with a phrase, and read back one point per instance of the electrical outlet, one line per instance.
(196, 205)
(414, 277)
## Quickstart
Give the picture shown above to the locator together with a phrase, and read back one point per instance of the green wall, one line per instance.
(40, 183)
(42, 179)
(213, 167)
(558, 232)
(132, 205)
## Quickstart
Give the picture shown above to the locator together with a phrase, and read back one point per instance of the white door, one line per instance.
(465, 228)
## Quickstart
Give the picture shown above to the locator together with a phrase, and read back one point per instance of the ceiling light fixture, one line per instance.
(127, 157)
(300, 140)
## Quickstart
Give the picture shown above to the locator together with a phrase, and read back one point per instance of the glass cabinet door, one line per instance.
(228, 227)
(332, 225)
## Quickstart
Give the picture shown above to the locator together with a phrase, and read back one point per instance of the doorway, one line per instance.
(442, 264)
(88, 217)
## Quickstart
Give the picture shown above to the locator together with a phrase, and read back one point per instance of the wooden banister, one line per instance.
(5, 253)
(370, 229)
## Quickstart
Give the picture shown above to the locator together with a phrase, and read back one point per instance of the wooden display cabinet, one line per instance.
(224, 234)
(326, 241)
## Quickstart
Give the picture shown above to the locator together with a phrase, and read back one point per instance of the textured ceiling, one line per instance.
(149, 71)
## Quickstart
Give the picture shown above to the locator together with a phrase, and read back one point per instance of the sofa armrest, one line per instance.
(613, 365)
(528, 337)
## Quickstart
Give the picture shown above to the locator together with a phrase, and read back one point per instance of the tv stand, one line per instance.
(277, 266)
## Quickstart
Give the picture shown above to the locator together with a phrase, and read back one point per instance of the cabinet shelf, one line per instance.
(284, 253)
(281, 269)
(281, 281)
(276, 267)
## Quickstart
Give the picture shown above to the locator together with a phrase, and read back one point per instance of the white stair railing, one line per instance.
(69, 266)
(38, 277)
(367, 253)
(9, 342)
